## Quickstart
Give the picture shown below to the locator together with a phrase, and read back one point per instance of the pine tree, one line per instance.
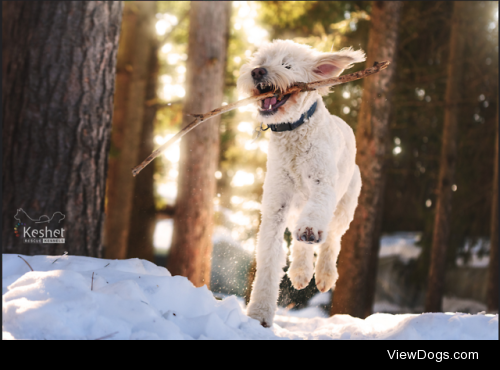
(143, 217)
(59, 61)
(442, 220)
(492, 292)
(355, 265)
(138, 37)
(193, 221)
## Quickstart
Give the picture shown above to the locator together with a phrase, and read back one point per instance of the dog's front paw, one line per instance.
(325, 281)
(326, 274)
(262, 313)
(300, 274)
(309, 235)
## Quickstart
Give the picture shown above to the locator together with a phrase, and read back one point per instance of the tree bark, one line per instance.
(358, 245)
(371, 273)
(134, 53)
(191, 248)
(442, 218)
(492, 292)
(58, 67)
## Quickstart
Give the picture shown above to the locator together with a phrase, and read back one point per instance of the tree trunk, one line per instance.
(492, 294)
(442, 221)
(143, 218)
(58, 67)
(191, 248)
(134, 53)
(358, 245)
(371, 273)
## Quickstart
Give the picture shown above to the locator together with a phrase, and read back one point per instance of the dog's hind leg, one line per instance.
(326, 264)
(302, 267)
(271, 257)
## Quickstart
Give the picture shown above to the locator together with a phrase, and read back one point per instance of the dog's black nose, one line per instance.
(259, 73)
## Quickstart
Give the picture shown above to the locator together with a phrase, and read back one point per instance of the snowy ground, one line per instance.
(74, 297)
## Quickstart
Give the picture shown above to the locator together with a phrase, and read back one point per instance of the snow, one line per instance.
(400, 244)
(388, 326)
(403, 245)
(74, 297)
(474, 248)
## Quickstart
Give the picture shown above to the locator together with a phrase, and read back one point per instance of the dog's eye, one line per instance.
(287, 66)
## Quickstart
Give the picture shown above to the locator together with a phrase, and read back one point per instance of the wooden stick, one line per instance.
(299, 87)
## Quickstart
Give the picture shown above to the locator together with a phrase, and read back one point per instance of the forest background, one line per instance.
(152, 74)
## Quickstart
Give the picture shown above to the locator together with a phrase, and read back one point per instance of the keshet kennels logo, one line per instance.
(44, 230)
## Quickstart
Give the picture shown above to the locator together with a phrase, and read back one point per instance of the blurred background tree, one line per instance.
(357, 262)
(191, 248)
(447, 160)
(492, 293)
(135, 69)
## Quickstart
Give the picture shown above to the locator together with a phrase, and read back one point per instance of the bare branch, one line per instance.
(299, 87)
(65, 253)
(106, 336)
(26, 263)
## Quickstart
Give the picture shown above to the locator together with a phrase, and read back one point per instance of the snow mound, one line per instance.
(125, 299)
(73, 297)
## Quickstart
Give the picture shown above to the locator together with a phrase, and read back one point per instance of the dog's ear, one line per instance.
(330, 65)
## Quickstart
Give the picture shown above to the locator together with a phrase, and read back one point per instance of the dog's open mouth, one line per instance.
(270, 105)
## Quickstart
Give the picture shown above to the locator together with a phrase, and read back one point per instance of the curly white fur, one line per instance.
(312, 182)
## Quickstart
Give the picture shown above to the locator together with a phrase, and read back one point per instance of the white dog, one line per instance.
(312, 182)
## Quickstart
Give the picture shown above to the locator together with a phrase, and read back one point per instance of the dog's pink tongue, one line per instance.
(268, 101)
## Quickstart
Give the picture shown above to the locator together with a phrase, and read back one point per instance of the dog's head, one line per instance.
(278, 65)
